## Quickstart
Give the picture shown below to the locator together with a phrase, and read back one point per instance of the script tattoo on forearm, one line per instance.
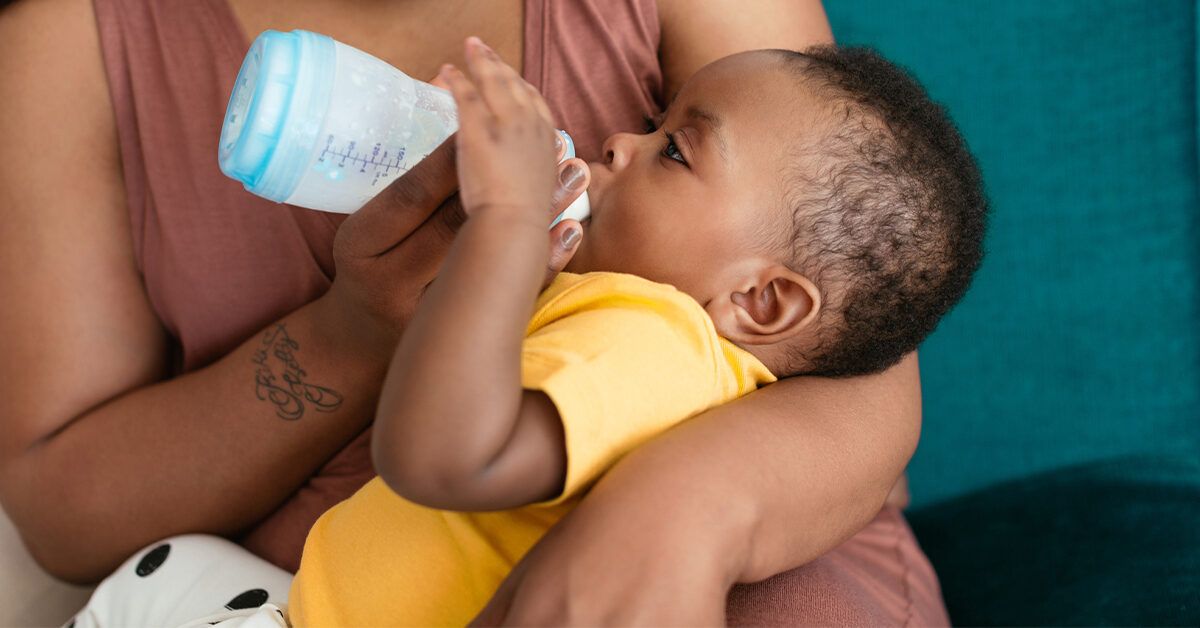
(293, 395)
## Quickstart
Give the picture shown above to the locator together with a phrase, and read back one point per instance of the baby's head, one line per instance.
(819, 206)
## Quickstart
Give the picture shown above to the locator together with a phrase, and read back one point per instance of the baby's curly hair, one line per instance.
(888, 212)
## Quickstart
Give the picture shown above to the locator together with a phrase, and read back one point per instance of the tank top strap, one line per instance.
(217, 262)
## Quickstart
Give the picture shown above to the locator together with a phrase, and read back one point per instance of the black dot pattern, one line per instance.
(250, 599)
(153, 560)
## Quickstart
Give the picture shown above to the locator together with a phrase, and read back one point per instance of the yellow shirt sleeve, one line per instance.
(624, 359)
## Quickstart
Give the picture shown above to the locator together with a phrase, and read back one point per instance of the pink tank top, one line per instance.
(220, 264)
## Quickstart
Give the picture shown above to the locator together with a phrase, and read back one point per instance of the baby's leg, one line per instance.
(181, 579)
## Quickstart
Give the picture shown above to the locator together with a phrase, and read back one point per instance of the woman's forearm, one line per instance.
(776, 478)
(211, 451)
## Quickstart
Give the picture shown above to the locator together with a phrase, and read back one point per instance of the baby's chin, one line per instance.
(585, 260)
(578, 264)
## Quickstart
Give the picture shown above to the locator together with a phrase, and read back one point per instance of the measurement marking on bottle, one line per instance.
(379, 162)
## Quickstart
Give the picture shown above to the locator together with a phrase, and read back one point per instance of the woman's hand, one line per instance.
(627, 556)
(593, 570)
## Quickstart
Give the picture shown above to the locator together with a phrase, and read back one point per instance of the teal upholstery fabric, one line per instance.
(1062, 394)
(1078, 340)
(1109, 543)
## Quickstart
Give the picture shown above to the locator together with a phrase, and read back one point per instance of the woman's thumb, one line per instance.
(564, 241)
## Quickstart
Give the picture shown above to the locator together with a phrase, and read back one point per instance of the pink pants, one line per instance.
(880, 577)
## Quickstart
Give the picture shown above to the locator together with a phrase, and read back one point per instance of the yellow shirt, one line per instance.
(623, 359)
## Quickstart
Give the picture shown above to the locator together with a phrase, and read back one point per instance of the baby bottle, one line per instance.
(315, 123)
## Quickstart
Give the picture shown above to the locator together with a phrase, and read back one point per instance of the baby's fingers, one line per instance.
(473, 113)
(510, 88)
(538, 102)
(499, 84)
(438, 81)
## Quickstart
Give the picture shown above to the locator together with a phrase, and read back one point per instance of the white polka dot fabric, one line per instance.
(192, 580)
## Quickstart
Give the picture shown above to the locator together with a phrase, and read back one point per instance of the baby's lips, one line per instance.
(597, 171)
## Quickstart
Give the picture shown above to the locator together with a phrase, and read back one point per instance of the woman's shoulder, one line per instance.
(55, 106)
(695, 34)
(51, 48)
(65, 246)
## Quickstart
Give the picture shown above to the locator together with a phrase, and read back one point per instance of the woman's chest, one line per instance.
(417, 36)
(220, 263)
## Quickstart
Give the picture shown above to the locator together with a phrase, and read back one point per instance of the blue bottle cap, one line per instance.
(275, 112)
(570, 152)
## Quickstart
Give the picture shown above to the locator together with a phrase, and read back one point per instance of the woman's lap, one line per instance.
(878, 577)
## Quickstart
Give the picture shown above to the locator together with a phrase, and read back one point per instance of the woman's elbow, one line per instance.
(67, 559)
(61, 530)
(66, 552)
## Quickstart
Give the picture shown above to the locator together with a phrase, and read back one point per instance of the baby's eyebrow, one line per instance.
(715, 124)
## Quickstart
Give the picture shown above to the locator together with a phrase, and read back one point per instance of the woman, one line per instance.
(137, 397)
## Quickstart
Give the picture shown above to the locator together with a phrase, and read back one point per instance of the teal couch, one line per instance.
(1057, 480)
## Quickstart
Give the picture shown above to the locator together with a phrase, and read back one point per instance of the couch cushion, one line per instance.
(1110, 543)
(1079, 338)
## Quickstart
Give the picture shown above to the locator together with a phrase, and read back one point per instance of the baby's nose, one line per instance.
(617, 149)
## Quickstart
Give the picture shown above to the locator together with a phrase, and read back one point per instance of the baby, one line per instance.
(797, 213)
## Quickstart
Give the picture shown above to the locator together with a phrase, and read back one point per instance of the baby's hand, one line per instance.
(506, 137)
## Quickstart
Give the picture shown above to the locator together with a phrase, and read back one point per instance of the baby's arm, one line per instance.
(454, 428)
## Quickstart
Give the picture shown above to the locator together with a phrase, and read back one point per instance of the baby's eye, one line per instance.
(671, 151)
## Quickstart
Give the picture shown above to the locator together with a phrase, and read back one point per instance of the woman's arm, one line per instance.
(737, 494)
(741, 492)
(97, 458)
(698, 32)
(98, 455)
(801, 465)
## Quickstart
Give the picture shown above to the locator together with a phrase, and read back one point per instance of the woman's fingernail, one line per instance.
(557, 142)
(571, 177)
(570, 237)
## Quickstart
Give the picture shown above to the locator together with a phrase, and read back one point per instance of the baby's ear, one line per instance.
(772, 305)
